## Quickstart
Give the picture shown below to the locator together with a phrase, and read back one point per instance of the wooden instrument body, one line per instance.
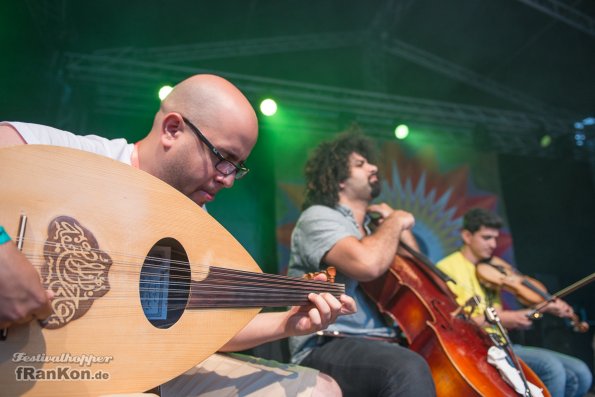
(127, 211)
(500, 274)
(454, 347)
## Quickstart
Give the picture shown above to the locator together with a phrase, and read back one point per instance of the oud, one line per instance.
(147, 284)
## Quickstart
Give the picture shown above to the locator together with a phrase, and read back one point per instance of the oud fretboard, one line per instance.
(235, 288)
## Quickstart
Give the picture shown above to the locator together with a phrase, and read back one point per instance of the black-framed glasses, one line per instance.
(224, 166)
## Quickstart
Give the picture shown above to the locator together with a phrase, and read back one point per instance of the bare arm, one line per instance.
(267, 327)
(370, 257)
(510, 319)
(9, 136)
(517, 319)
(559, 308)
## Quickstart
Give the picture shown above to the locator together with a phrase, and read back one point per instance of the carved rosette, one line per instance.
(75, 269)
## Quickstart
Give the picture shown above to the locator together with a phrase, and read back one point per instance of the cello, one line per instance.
(414, 294)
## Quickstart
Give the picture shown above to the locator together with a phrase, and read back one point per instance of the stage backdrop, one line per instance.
(436, 184)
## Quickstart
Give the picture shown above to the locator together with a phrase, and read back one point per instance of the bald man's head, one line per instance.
(174, 152)
(213, 103)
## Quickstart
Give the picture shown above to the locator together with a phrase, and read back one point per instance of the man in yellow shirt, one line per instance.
(563, 375)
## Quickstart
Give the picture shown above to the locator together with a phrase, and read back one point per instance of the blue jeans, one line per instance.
(370, 368)
(564, 376)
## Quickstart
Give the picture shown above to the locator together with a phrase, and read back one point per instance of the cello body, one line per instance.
(454, 347)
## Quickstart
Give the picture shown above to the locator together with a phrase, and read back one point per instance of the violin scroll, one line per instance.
(578, 325)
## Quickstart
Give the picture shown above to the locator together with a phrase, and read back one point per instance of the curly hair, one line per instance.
(328, 165)
(475, 218)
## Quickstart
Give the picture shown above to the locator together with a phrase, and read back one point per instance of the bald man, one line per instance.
(201, 135)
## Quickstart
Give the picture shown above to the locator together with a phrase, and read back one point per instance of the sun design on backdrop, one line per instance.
(438, 200)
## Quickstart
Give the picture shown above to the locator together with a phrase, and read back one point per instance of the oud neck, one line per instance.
(230, 288)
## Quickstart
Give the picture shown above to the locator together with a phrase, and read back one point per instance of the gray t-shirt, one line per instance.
(317, 230)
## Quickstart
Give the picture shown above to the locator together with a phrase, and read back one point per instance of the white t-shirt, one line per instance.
(117, 149)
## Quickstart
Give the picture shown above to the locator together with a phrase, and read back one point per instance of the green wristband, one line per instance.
(4, 237)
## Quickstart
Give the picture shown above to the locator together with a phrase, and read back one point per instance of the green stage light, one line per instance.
(164, 91)
(268, 107)
(545, 141)
(402, 131)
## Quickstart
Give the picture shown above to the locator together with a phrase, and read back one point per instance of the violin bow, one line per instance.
(563, 292)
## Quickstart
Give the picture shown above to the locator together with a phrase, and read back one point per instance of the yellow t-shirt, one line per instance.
(462, 271)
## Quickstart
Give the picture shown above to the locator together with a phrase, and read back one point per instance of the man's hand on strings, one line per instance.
(322, 311)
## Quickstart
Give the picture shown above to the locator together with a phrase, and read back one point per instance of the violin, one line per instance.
(497, 274)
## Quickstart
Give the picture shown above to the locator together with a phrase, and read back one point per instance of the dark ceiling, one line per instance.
(509, 67)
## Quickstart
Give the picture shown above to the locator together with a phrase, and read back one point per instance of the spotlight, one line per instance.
(164, 91)
(268, 107)
(402, 131)
(545, 141)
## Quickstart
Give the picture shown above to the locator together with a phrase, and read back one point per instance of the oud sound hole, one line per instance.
(165, 283)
